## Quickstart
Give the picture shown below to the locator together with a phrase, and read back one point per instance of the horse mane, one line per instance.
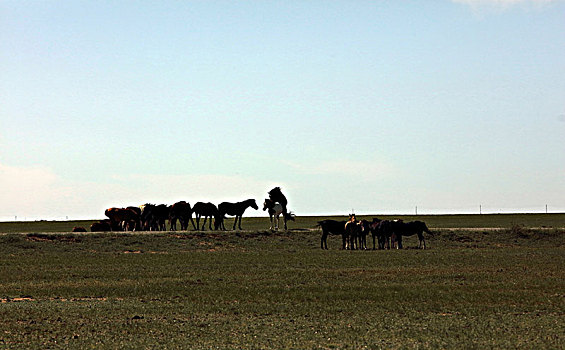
(276, 195)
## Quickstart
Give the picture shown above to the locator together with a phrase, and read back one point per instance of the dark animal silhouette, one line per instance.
(277, 196)
(206, 210)
(235, 209)
(161, 215)
(136, 222)
(386, 232)
(332, 227)
(122, 218)
(101, 226)
(147, 219)
(412, 228)
(182, 212)
(363, 231)
(154, 217)
(79, 229)
(275, 210)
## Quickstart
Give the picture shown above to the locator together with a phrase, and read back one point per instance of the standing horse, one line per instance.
(333, 227)
(153, 217)
(277, 196)
(183, 212)
(275, 210)
(356, 233)
(206, 210)
(237, 209)
(351, 232)
(387, 232)
(364, 228)
(412, 228)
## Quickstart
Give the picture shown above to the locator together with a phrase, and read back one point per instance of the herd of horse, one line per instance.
(151, 217)
(386, 234)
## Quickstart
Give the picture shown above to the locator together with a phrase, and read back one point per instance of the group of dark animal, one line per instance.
(386, 234)
(150, 217)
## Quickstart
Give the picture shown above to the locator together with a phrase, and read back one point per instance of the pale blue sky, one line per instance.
(377, 106)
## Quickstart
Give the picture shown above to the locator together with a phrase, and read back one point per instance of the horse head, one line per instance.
(267, 204)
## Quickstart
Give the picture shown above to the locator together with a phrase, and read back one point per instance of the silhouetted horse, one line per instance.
(236, 209)
(277, 196)
(331, 227)
(183, 212)
(206, 210)
(154, 217)
(275, 210)
(122, 218)
(386, 232)
(365, 227)
(412, 228)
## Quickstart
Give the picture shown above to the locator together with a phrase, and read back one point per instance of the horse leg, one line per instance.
(271, 220)
(324, 240)
(239, 223)
(284, 219)
(422, 244)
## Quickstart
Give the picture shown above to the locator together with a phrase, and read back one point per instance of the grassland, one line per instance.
(475, 288)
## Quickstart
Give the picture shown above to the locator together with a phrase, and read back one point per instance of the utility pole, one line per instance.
(416, 210)
(546, 208)
(481, 209)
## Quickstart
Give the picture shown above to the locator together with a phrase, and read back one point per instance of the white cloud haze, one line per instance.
(504, 4)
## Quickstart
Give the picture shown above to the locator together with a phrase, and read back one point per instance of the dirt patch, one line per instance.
(15, 300)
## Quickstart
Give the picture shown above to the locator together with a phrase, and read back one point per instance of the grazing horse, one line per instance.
(154, 217)
(333, 227)
(147, 218)
(206, 210)
(275, 210)
(412, 228)
(122, 218)
(387, 232)
(136, 223)
(277, 196)
(235, 209)
(383, 231)
(183, 212)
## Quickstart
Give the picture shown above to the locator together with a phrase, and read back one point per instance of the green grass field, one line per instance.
(474, 288)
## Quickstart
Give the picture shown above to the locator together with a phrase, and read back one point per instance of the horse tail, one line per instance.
(427, 230)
